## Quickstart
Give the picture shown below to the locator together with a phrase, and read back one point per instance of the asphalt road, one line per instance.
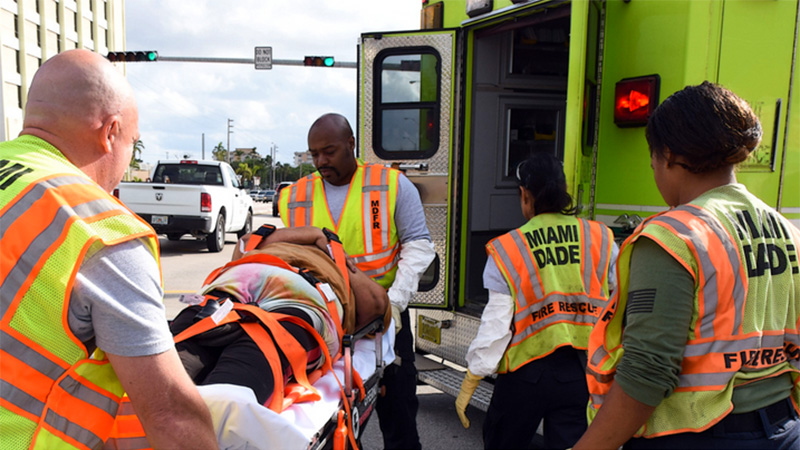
(187, 262)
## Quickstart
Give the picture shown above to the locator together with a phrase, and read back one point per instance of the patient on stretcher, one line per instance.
(300, 302)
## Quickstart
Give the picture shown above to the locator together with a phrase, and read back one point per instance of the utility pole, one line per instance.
(230, 125)
(203, 145)
(273, 149)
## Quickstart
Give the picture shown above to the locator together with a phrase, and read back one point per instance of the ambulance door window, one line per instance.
(530, 130)
(406, 104)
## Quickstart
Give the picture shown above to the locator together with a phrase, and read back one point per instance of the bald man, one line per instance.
(80, 282)
(378, 215)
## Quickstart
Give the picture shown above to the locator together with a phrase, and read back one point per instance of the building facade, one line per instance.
(302, 158)
(33, 30)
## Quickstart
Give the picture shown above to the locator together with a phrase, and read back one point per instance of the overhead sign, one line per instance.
(263, 58)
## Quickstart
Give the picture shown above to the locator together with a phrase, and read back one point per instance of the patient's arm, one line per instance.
(370, 298)
(295, 235)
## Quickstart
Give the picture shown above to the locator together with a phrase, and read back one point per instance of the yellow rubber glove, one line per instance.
(468, 387)
(398, 323)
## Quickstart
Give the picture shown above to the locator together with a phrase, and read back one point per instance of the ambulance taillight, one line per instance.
(635, 99)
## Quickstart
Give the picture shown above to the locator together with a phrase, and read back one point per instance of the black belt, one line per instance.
(776, 413)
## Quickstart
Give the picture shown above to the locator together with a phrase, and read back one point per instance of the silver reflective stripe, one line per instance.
(32, 196)
(366, 212)
(383, 269)
(41, 243)
(598, 356)
(711, 289)
(586, 258)
(126, 409)
(704, 379)
(522, 247)
(31, 357)
(72, 430)
(375, 256)
(134, 443)
(20, 398)
(79, 391)
(293, 203)
(733, 346)
(556, 316)
(605, 254)
(522, 300)
(383, 188)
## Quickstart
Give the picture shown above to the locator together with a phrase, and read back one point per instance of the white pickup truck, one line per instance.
(201, 198)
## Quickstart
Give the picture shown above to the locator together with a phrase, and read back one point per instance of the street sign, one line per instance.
(263, 58)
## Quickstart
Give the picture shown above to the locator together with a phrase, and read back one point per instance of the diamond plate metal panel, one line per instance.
(455, 340)
(370, 47)
(449, 382)
(435, 214)
(436, 217)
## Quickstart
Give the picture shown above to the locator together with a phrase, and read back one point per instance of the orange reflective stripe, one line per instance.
(127, 432)
(300, 201)
(375, 195)
(378, 263)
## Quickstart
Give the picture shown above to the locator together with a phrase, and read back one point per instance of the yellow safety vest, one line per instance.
(557, 269)
(53, 395)
(366, 225)
(747, 306)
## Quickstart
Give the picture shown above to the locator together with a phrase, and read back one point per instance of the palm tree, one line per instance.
(246, 171)
(138, 146)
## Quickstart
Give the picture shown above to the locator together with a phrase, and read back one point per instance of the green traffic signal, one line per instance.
(319, 61)
(133, 56)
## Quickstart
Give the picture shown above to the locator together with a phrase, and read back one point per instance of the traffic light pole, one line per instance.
(251, 61)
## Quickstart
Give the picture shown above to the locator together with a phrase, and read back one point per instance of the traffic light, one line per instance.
(137, 56)
(319, 61)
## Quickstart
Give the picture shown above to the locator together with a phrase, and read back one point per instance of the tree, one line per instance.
(220, 153)
(138, 146)
(246, 171)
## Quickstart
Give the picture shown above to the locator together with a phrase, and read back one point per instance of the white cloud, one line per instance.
(179, 102)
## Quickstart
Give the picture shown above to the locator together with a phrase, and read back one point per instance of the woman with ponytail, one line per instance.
(548, 281)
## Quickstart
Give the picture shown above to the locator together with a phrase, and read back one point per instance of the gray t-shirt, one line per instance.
(117, 303)
(411, 225)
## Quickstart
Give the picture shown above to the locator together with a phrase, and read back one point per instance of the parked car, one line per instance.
(268, 195)
(254, 194)
(201, 198)
(277, 196)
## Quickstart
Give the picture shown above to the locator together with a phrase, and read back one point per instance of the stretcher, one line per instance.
(242, 423)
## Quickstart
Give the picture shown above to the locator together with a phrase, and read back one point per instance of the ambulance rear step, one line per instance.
(448, 380)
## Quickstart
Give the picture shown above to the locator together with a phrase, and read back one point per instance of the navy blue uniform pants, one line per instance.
(397, 409)
(552, 389)
(773, 427)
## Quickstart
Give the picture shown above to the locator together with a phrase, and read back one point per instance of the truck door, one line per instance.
(756, 55)
(406, 120)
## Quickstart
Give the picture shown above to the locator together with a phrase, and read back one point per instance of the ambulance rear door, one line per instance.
(406, 120)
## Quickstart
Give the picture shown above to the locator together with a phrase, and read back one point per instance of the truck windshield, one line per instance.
(188, 174)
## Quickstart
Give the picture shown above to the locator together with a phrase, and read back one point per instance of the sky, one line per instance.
(184, 107)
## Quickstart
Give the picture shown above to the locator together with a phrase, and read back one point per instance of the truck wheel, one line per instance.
(274, 209)
(216, 240)
(174, 236)
(248, 226)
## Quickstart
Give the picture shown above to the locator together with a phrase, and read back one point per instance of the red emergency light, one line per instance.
(635, 99)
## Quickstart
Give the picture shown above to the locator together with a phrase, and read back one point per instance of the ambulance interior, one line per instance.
(517, 108)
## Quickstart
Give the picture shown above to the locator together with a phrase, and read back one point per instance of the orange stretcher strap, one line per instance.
(258, 236)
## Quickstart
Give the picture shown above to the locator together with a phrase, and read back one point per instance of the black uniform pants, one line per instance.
(227, 354)
(552, 389)
(397, 409)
